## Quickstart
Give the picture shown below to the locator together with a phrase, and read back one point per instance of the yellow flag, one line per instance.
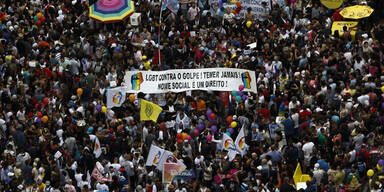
(149, 111)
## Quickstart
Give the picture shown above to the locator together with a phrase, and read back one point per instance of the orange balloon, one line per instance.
(184, 136)
(79, 91)
(39, 15)
(131, 97)
(44, 119)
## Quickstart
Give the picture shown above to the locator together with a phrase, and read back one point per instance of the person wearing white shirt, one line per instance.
(192, 12)
(102, 187)
(182, 121)
(293, 104)
(308, 149)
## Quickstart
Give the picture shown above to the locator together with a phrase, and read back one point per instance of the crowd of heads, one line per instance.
(319, 101)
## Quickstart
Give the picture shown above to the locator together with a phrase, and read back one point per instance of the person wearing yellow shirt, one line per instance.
(200, 105)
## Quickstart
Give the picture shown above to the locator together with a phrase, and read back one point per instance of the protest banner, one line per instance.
(215, 79)
(255, 5)
(338, 25)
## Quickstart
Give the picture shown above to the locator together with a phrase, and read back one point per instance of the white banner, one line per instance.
(255, 5)
(215, 79)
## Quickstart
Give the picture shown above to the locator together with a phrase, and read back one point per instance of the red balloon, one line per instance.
(42, 19)
(212, 116)
(38, 22)
(179, 136)
(229, 119)
(46, 101)
(162, 126)
(39, 115)
(179, 141)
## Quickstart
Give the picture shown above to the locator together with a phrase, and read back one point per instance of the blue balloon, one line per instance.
(238, 98)
(200, 127)
(240, 93)
(234, 93)
(208, 113)
(231, 130)
(228, 133)
(213, 128)
(244, 97)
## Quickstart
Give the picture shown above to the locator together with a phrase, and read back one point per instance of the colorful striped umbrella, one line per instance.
(109, 11)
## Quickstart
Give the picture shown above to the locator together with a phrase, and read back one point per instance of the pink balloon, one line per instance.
(209, 138)
(189, 138)
(196, 132)
(241, 87)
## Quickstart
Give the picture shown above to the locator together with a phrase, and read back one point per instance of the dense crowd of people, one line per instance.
(320, 99)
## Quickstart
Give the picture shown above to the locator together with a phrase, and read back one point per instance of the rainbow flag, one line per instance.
(246, 80)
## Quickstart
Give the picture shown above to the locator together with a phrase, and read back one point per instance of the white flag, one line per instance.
(154, 156)
(228, 143)
(240, 144)
(231, 154)
(115, 97)
(168, 157)
(96, 146)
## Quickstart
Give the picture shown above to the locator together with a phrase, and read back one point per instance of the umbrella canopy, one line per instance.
(108, 11)
(356, 12)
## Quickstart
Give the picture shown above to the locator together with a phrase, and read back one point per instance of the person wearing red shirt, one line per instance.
(264, 113)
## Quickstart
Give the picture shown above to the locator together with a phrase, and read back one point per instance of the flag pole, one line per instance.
(158, 36)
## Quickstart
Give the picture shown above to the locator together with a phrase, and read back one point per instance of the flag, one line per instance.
(240, 144)
(170, 171)
(231, 154)
(96, 174)
(149, 111)
(115, 97)
(154, 156)
(299, 177)
(228, 143)
(157, 57)
(96, 146)
(168, 157)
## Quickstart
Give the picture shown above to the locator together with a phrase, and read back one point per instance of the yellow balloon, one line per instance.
(378, 167)
(144, 57)
(370, 173)
(248, 24)
(233, 124)
(104, 109)
(382, 89)
(147, 65)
